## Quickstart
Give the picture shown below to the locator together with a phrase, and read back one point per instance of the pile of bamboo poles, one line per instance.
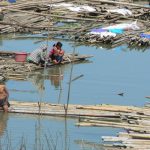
(135, 122)
(42, 16)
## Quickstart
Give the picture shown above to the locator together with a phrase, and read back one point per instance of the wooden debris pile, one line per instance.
(11, 69)
(139, 41)
(77, 19)
(135, 121)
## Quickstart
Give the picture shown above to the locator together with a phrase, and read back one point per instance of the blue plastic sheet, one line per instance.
(144, 35)
(117, 31)
(99, 30)
(12, 1)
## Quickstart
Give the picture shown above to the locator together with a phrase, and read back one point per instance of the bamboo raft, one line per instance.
(76, 111)
(134, 120)
(10, 69)
(42, 16)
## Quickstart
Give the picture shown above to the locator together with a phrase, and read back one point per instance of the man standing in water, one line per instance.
(4, 104)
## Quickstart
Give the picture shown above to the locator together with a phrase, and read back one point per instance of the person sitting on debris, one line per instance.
(4, 104)
(38, 56)
(56, 54)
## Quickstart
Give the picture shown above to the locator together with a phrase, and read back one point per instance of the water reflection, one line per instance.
(38, 134)
(1, 41)
(54, 140)
(3, 122)
(56, 80)
(38, 81)
(55, 75)
(66, 134)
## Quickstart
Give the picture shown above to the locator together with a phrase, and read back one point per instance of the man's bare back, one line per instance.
(4, 97)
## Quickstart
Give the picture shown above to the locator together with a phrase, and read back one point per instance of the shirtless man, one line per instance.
(4, 104)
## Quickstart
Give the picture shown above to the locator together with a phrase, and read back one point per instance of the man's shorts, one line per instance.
(4, 102)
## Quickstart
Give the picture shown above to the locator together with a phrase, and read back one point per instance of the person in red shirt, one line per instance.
(56, 54)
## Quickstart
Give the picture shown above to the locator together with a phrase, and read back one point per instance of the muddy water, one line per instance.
(104, 76)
